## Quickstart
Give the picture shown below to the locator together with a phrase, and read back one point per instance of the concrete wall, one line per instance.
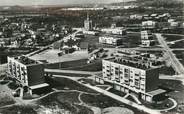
(35, 75)
(152, 79)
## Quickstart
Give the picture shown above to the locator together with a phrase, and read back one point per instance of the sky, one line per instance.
(53, 2)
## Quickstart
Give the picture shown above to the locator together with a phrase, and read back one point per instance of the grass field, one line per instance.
(94, 66)
(61, 83)
(170, 38)
(177, 45)
(177, 94)
(6, 97)
(52, 56)
(180, 55)
(167, 71)
(19, 109)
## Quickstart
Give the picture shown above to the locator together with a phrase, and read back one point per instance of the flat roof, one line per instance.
(39, 86)
(132, 62)
(156, 92)
(25, 60)
(114, 36)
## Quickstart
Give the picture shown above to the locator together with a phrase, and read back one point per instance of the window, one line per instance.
(116, 72)
(126, 70)
(120, 72)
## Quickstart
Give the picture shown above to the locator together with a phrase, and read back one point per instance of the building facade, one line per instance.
(28, 72)
(116, 31)
(130, 76)
(147, 39)
(148, 24)
(88, 24)
(112, 40)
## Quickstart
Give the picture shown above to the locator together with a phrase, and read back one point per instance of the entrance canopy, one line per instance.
(156, 92)
(39, 86)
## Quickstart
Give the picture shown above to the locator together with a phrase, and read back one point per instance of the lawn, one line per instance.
(51, 101)
(167, 71)
(100, 101)
(177, 93)
(19, 109)
(133, 40)
(91, 39)
(70, 97)
(94, 66)
(76, 63)
(170, 38)
(180, 55)
(51, 56)
(177, 45)
(165, 104)
(6, 97)
(61, 83)
(79, 65)
(90, 81)
(103, 101)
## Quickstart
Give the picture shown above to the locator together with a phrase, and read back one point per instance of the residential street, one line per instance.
(174, 61)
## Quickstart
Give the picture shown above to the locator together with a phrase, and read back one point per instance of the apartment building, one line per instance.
(148, 24)
(116, 31)
(28, 72)
(111, 39)
(147, 39)
(132, 75)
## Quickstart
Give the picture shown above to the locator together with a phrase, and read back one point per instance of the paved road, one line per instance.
(123, 100)
(174, 61)
(118, 98)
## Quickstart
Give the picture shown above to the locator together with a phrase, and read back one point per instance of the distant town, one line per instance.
(116, 58)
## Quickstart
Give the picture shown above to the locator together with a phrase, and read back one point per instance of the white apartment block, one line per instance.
(147, 39)
(131, 76)
(117, 31)
(28, 72)
(112, 40)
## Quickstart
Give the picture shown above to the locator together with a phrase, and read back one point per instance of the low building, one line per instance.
(84, 46)
(111, 39)
(90, 32)
(147, 39)
(133, 72)
(136, 16)
(148, 24)
(116, 31)
(27, 71)
(132, 76)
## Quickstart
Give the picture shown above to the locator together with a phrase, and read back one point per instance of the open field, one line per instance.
(94, 66)
(177, 45)
(80, 65)
(91, 99)
(52, 56)
(170, 38)
(20, 109)
(62, 83)
(6, 97)
(167, 71)
(180, 55)
(3, 69)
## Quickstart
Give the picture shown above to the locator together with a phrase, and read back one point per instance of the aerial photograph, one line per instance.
(91, 56)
